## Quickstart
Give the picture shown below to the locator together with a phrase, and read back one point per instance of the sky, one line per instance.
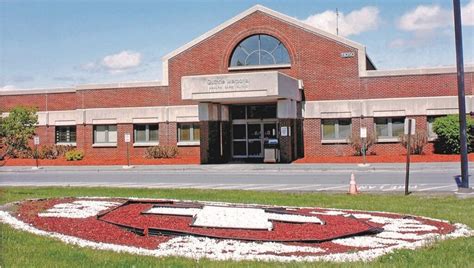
(49, 44)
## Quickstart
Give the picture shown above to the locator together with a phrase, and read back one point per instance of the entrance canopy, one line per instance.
(240, 87)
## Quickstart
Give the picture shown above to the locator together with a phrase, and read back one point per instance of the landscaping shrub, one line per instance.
(74, 155)
(53, 151)
(447, 130)
(17, 129)
(355, 141)
(417, 143)
(161, 151)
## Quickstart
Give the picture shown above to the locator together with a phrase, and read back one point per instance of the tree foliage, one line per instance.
(447, 130)
(17, 128)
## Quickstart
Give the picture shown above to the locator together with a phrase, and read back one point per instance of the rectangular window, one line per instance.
(105, 134)
(65, 134)
(389, 127)
(146, 133)
(336, 129)
(189, 132)
(430, 120)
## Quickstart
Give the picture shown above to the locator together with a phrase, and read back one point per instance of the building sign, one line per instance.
(127, 137)
(284, 131)
(347, 54)
(227, 84)
(363, 132)
(253, 86)
(410, 131)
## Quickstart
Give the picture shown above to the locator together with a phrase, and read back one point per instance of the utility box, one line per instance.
(271, 151)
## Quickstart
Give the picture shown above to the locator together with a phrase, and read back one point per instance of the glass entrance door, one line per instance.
(249, 137)
(254, 140)
(251, 126)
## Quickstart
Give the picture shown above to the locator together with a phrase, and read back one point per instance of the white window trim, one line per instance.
(147, 136)
(188, 143)
(390, 138)
(256, 67)
(104, 145)
(66, 143)
(336, 130)
(145, 144)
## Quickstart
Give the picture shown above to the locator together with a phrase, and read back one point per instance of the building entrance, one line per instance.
(252, 126)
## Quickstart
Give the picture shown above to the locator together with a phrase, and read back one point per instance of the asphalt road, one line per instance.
(435, 177)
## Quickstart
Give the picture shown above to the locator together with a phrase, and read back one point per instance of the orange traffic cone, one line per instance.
(353, 185)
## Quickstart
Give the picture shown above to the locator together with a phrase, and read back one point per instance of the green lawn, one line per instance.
(20, 249)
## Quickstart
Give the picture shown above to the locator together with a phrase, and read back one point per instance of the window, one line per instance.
(260, 49)
(430, 120)
(65, 134)
(336, 129)
(105, 134)
(253, 111)
(389, 127)
(146, 133)
(189, 132)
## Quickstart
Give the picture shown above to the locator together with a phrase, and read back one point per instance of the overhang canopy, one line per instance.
(240, 87)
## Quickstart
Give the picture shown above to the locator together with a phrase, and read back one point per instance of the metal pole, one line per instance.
(364, 150)
(407, 174)
(36, 156)
(128, 155)
(461, 96)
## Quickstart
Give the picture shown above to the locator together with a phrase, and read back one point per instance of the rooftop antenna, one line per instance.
(337, 21)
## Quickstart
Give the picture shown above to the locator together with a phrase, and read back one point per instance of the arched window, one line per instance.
(260, 49)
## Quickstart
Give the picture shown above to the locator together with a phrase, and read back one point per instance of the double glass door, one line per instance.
(248, 137)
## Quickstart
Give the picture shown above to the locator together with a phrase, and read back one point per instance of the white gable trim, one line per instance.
(361, 49)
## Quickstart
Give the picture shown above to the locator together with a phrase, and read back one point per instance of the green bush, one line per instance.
(74, 155)
(53, 151)
(447, 129)
(161, 151)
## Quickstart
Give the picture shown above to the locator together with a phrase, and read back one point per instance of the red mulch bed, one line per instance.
(101, 162)
(383, 158)
(98, 230)
(336, 226)
(188, 160)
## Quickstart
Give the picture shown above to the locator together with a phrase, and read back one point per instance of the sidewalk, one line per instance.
(295, 167)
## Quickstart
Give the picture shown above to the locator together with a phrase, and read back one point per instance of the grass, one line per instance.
(20, 249)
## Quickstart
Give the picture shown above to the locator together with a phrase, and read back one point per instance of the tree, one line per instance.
(357, 143)
(417, 142)
(447, 129)
(17, 128)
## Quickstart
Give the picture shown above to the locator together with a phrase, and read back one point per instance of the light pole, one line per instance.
(464, 187)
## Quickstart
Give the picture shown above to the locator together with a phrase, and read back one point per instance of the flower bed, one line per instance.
(114, 224)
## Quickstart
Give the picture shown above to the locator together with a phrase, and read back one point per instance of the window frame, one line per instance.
(259, 51)
(192, 141)
(429, 126)
(147, 141)
(70, 129)
(107, 143)
(337, 138)
(390, 137)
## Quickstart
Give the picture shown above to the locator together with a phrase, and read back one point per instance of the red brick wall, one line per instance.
(314, 59)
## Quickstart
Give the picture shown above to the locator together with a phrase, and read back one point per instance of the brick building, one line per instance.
(261, 75)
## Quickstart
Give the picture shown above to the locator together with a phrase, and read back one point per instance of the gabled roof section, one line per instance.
(293, 21)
